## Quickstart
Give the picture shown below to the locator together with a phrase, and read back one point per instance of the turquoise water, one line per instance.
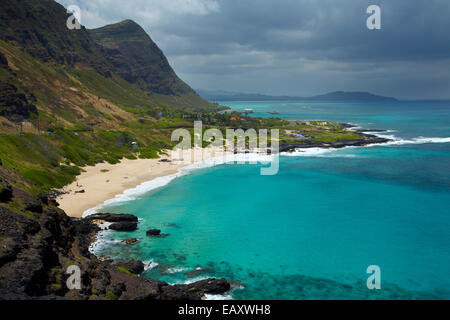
(311, 231)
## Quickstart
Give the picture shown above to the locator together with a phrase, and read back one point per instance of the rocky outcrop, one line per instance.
(136, 58)
(5, 191)
(120, 222)
(39, 28)
(367, 139)
(37, 247)
(14, 105)
(112, 217)
(153, 233)
(130, 241)
(196, 290)
(198, 271)
(123, 226)
(156, 233)
(134, 266)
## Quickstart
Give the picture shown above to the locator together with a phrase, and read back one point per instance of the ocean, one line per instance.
(312, 230)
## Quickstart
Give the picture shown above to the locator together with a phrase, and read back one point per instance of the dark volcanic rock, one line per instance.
(156, 233)
(123, 226)
(39, 28)
(153, 233)
(6, 191)
(136, 288)
(198, 271)
(210, 286)
(137, 59)
(35, 251)
(3, 60)
(134, 266)
(111, 217)
(196, 290)
(366, 140)
(14, 104)
(130, 241)
(34, 205)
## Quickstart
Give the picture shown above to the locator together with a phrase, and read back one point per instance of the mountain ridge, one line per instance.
(78, 62)
(39, 28)
(136, 58)
(331, 96)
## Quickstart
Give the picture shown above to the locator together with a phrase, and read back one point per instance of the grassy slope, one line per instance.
(95, 118)
(94, 113)
(136, 58)
(89, 127)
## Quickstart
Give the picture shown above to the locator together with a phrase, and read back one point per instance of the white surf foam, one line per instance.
(319, 153)
(330, 152)
(150, 264)
(218, 297)
(133, 193)
(100, 242)
(176, 270)
(400, 141)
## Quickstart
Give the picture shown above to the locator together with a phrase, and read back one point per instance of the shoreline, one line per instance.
(176, 172)
(97, 185)
(104, 181)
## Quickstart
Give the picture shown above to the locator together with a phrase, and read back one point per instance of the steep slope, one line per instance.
(14, 105)
(124, 78)
(137, 59)
(38, 242)
(39, 28)
(72, 113)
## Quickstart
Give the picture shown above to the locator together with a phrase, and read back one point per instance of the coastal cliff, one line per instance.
(76, 98)
(39, 242)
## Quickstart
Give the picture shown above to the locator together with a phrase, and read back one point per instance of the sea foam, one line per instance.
(395, 141)
(143, 188)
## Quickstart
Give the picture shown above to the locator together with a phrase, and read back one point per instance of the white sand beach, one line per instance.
(104, 181)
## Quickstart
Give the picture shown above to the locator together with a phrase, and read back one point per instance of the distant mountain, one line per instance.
(332, 96)
(350, 96)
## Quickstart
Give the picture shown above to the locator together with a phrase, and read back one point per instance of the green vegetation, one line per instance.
(111, 296)
(83, 104)
(122, 269)
(53, 160)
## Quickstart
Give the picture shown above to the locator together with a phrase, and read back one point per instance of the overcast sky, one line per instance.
(295, 47)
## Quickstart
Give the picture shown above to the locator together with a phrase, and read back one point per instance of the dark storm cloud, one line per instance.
(295, 46)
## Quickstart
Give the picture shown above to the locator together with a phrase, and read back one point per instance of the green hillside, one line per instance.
(70, 98)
